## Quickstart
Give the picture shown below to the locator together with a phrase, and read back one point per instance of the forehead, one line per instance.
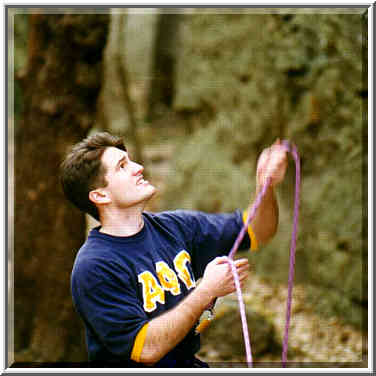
(111, 156)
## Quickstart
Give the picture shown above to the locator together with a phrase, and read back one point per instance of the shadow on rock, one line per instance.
(223, 339)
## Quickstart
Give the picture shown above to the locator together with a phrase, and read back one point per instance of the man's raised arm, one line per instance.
(271, 163)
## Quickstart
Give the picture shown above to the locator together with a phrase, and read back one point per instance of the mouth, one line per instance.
(141, 181)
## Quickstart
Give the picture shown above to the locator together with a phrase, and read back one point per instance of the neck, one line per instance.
(127, 222)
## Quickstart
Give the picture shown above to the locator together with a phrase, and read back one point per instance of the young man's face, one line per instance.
(126, 186)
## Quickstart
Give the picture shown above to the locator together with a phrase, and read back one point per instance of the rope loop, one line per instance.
(291, 148)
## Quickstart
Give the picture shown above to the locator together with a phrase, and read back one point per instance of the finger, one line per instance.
(284, 164)
(244, 274)
(281, 165)
(244, 265)
(240, 262)
(243, 281)
(242, 277)
(221, 260)
(242, 269)
(278, 151)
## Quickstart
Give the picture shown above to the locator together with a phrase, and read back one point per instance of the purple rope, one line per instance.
(247, 342)
(295, 155)
(292, 149)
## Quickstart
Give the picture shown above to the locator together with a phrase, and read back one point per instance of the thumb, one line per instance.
(221, 260)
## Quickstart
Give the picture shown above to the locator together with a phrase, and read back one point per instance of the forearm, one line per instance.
(166, 331)
(265, 222)
(272, 165)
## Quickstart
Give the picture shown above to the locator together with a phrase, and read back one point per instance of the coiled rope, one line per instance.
(293, 150)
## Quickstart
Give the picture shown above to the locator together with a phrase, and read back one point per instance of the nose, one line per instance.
(137, 168)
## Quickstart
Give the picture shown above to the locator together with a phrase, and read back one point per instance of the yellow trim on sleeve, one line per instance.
(252, 236)
(139, 344)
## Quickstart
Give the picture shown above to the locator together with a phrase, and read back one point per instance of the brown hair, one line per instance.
(82, 170)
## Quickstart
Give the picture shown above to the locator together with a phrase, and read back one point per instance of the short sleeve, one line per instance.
(110, 307)
(210, 235)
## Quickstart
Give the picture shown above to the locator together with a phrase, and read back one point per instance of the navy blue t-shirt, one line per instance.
(120, 283)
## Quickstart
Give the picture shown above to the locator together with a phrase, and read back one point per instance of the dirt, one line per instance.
(312, 338)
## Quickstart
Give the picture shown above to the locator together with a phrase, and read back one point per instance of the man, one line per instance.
(134, 280)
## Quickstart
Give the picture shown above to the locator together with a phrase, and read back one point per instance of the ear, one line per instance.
(99, 196)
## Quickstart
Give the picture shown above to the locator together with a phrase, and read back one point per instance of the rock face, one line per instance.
(225, 332)
(245, 79)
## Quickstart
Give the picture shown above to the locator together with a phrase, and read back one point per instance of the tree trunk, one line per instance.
(162, 88)
(61, 86)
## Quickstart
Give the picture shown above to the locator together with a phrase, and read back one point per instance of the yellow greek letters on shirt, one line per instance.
(180, 263)
(167, 278)
(151, 291)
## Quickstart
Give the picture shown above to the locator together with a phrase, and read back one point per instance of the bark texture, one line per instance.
(162, 88)
(61, 86)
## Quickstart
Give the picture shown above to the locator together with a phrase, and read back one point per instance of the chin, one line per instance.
(150, 191)
(153, 191)
(148, 196)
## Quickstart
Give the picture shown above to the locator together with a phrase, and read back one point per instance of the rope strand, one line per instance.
(292, 149)
(295, 155)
